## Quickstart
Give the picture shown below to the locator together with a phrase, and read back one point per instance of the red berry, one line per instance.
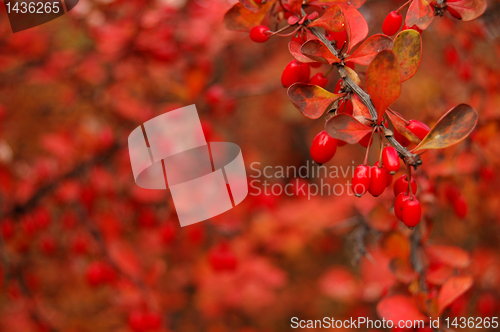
(392, 23)
(405, 27)
(147, 218)
(418, 128)
(315, 64)
(454, 13)
(299, 38)
(398, 205)
(79, 245)
(367, 140)
(460, 207)
(401, 139)
(142, 321)
(412, 212)
(361, 180)
(401, 185)
(167, 233)
(379, 180)
(345, 106)
(260, 34)
(221, 258)
(338, 86)
(99, 273)
(451, 55)
(319, 80)
(340, 143)
(215, 95)
(295, 72)
(323, 148)
(8, 229)
(339, 37)
(390, 159)
(486, 305)
(48, 245)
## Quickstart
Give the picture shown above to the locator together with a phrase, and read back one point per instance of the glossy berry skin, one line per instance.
(412, 212)
(379, 180)
(295, 72)
(221, 258)
(401, 185)
(99, 273)
(454, 13)
(418, 128)
(361, 180)
(323, 148)
(401, 139)
(460, 207)
(399, 203)
(319, 80)
(142, 321)
(390, 159)
(339, 37)
(392, 23)
(260, 34)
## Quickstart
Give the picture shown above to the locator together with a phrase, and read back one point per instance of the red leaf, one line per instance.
(403, 271)
(400, 125)
(294, 49)
(357, 26)
(359, 109)
(311, 100)
(343, 3)
(251, 5)
(439, 274)
(408, 51)
(399, 307)
(370, 48)
(468, 9)
(448, 255)
(332, 19)
(452, 290)
(238, 18)
(316, 50)
(383, 81)
(340, 284)
(453, 127)
(295, 6)
(346, 128)
(420, 14)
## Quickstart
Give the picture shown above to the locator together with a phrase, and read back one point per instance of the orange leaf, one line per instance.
(340, 284)
(357, 28)
(408, 51)
(311, 100)
(468, 9)
(346, 128)
(316, 50)
(403, 271)
(251, 5)
(383, 81)
(452, 290)
(399, 307)
(359, 108)
(332, 20)
(295, 6)
(400, 126)
(453, 127)
(294, 49)
(370, 48)
(420, 13)
(238, 18)
(448, 255)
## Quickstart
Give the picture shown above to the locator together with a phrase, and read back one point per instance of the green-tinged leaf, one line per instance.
(408, 51)
(353, 75)
(346, 128)
(370, 48)
(383, 81)
(251, 5)
(452, 289)
(357, 28)
(468, 9)
(317, 51)
(332, 19)
(311, 100)
(400, 125)
(238, 18)
(399, 307)
(453, 127)
(420, 14)
(359, 109)
(294, 49)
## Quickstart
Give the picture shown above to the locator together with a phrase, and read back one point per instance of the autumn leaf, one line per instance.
(359, 108)
(383, 81)
(357, 28)
(295, 6)
(468, 9)
(400, 125)
(346, 128)
(239, 18)
(365, 53)
(294, 49)
(403, 271)
(311, 100)
(448, 255)
(332, 20)
(317, 51)
(408, 51)
(399, 307)
(340, 284)
(251, 5)
(453, 127)
(452, 289)
(420, 13)
(353, 75)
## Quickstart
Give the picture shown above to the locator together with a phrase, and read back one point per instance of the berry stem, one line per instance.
(368, 148)
(403, 6)
(283, 29)
(399, 116)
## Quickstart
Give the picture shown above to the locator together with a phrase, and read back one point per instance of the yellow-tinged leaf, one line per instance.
(408, 51)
